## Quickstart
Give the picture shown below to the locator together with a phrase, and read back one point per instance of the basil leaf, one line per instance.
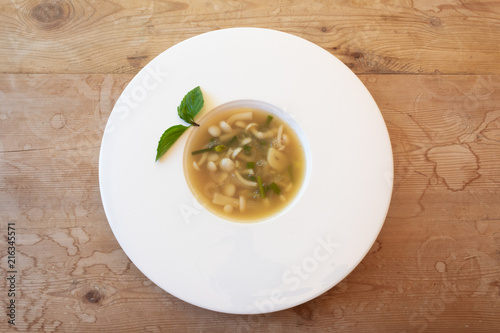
(190, 106)
(168, 138)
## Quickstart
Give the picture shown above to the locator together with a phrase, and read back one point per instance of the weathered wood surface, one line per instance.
(435, 265)
(402, 36)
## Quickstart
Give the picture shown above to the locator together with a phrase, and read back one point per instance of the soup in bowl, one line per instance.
(247, 161)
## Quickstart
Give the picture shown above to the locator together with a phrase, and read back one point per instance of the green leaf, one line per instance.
(168, 138)
(219, 148)
(276, 189)
(190, 106)
(268, 120)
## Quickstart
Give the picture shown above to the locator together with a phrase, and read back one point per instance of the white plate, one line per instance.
(260, 267)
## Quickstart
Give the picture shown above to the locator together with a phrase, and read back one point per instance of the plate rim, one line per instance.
(102, 157)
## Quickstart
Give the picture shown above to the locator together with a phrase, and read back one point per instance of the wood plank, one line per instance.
(434, 267)
(369, 36)
(445, 136)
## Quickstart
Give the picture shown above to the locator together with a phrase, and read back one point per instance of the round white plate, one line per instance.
(257, 267)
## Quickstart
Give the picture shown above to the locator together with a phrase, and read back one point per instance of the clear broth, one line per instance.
(248, 173)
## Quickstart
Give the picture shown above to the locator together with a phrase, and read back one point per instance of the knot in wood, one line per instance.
(435, 22)
(50, 14)
(93, 297)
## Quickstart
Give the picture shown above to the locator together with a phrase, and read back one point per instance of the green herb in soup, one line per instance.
(241, 164)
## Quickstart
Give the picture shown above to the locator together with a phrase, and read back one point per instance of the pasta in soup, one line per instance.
(244, 164)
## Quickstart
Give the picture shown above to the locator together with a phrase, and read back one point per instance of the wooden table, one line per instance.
(432, 66)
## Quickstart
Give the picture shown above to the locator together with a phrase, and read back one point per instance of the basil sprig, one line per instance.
(188, 109)
(168, 139)
(190, 106)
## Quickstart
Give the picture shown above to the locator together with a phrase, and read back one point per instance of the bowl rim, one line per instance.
(262, 106)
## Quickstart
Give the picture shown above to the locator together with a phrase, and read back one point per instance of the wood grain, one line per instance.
(434, 267)
(62, 36)
(432, 67)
